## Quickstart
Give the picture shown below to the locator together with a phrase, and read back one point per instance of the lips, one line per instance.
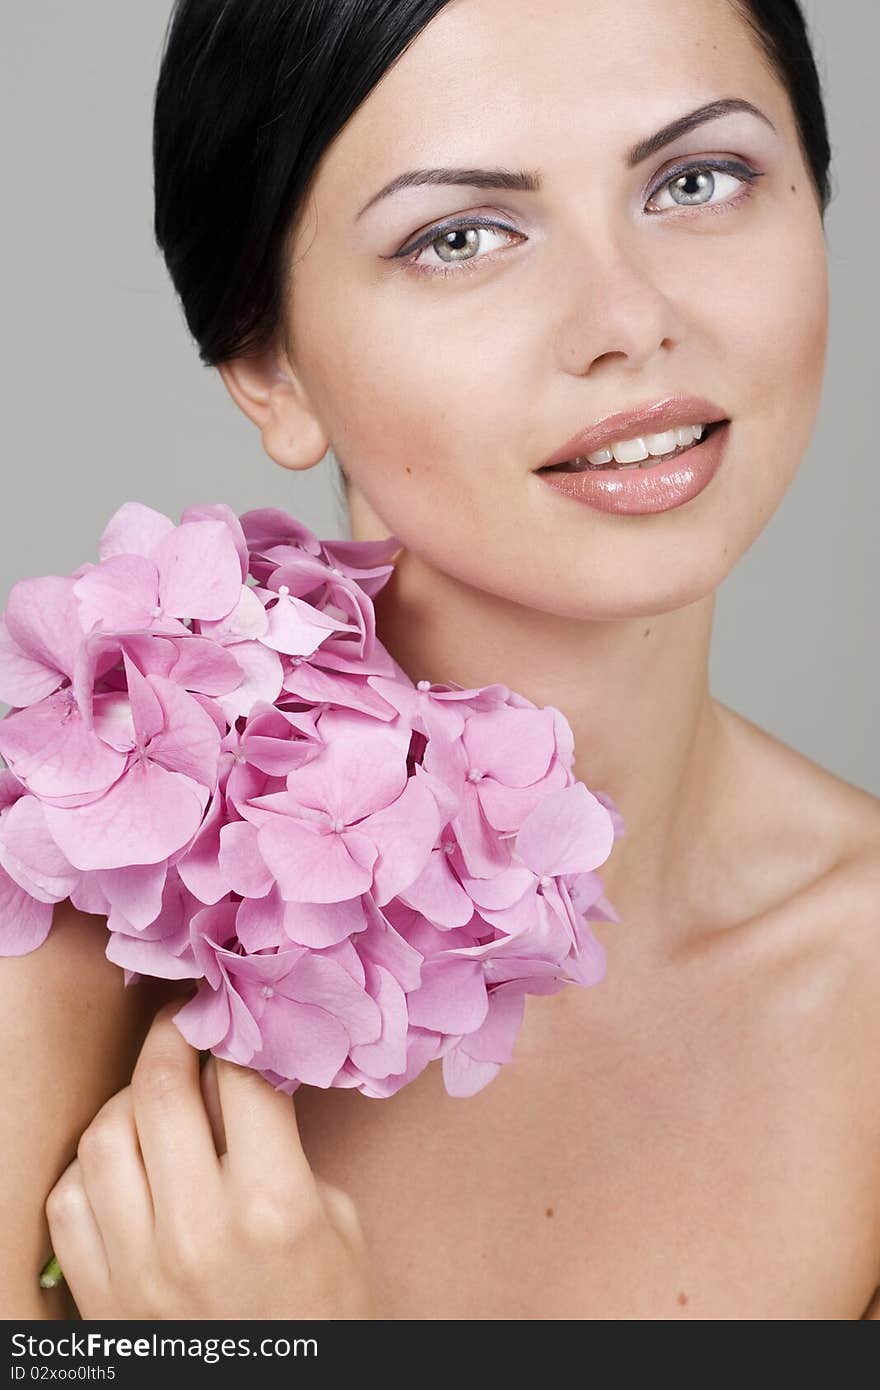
(663, 487)
(649, 462)
(662, 415)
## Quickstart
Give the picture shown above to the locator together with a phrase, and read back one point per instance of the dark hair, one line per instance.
(251, 93)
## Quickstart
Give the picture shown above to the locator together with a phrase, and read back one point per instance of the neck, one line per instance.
(634, 691)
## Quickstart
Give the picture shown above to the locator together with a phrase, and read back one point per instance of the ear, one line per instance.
(270, 394)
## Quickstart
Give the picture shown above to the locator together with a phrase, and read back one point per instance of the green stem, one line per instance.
(50, 1274)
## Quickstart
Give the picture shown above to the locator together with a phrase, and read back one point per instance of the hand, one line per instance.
(184, 1202)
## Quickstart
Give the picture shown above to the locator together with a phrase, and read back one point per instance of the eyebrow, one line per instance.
(524, 181)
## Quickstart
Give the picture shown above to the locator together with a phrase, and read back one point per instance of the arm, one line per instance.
(70, 1033)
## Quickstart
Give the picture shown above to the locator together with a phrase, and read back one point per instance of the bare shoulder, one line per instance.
(69, 1001)
(815, 840)
(825, 940)
(820, 821)
(70, 1032)
(855, 912)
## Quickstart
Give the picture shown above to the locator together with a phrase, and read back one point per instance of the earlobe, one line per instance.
(292, 436)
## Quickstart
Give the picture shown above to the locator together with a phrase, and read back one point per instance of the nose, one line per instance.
(614, 311)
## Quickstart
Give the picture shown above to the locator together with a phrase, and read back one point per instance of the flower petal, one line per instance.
(122, 592)
(296, 627)
(320, 925)
(515, 746)
(352, 777)
(464, 1077)
(493, 1041)
(452, 996)
(569, 831)
(315, 867)
(42, 617)
(133, 529)
(144, 817)
(246, 620)
(24, 922)
(135, 890)
(204, 1020)
(190, 741)
(438, 894)
(241, 862)
(259, 922)
(316, 979)
(31, 856)
(387, 1054)
(199, 570)
(404, 833)
(302, 1040)
(23, 680)
(261, 679)
(48, 746)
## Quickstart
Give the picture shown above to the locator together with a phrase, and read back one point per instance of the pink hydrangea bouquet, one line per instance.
(209, 745)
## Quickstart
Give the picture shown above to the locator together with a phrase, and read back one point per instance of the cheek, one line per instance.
(772, 346)
(408, 420)
(780, 332)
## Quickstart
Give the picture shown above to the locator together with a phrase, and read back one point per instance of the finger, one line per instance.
(262, 1137)
(211, 1097)
(343, 1212)
(173, 1128)
(76, 1240)
(116, 1185)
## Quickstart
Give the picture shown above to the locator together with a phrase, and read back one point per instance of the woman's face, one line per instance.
(442, 394)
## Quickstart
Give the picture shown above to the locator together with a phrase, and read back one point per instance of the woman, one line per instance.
(698, 1137)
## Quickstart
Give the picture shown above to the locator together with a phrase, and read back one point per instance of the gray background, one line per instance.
(105, 398)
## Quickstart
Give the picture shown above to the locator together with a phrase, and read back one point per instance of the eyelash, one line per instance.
(409, 255)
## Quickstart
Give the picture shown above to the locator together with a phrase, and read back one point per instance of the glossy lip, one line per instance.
(628, 424)
(659, 488)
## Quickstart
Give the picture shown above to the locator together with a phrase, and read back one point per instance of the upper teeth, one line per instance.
(633, 450)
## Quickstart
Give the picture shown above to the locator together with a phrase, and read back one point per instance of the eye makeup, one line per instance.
(737, 169)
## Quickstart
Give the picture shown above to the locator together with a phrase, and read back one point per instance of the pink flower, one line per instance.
(34, 874)
(297, 1012)
(40, 633)
(210, 746)
(154, 574)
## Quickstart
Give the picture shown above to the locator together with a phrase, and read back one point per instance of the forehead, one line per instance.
(524, 78)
